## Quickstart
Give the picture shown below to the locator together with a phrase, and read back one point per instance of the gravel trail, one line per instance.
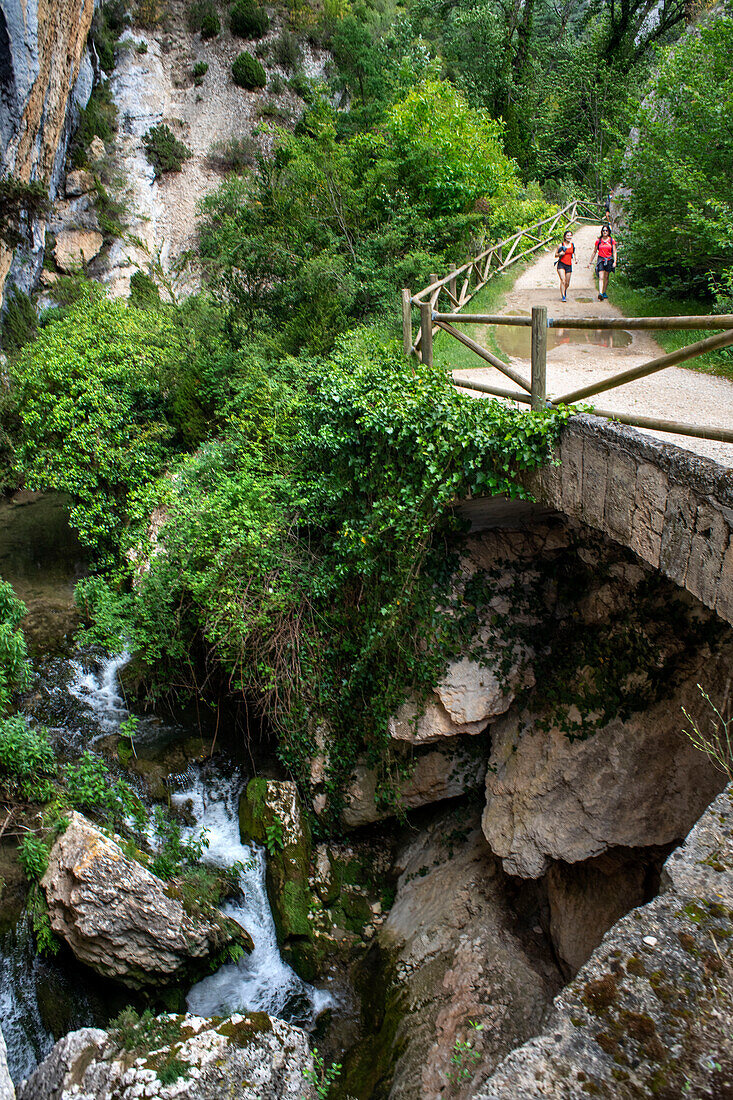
(676, 393)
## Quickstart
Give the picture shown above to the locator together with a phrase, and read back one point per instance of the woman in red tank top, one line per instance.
(605, 249)
(565, 253)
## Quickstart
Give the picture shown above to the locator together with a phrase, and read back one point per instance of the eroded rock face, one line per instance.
(585, 899)
(651, 1013)
(117, 918)
(252, 1057)
(75, 247)
(636, 782)
(456, 959)
(447, 771)
(468, 697)
(7, 1092)
(45, 75)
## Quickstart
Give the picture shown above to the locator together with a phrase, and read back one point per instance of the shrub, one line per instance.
(248, 20)
(204, 19)
(149, 14)
(90, 787)
(276, 85)
(33, 857)
(233, 155)
(98, 119)
(248, 73)
(300, 85)
(163, 149)
(287, 51)
(200, 70)
(27, 760)
(14, 669)
(20, 323)
(144, 291)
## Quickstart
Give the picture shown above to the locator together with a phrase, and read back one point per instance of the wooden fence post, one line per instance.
(426, 331)
(452, 287)
(407, 322)
(539, 356)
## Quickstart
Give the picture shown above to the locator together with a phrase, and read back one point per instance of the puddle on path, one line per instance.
(515, 341)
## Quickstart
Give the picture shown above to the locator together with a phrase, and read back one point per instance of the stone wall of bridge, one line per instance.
(671, 507)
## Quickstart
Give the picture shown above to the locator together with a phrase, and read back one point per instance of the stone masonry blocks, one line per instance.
(620, 496)
(724, 598)
(707, 550)
(650, 504)
(571, 458)
(679, 527)
(595, 480)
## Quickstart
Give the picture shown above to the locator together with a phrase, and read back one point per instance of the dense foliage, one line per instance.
(13, 650)
(327, 230)
(679, 170)
(301, 551)
(104, 396)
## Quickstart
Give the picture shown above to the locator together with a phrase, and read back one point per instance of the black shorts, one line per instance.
(567, 268)
(605, 265)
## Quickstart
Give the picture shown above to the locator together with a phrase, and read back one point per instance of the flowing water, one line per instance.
(81, 702)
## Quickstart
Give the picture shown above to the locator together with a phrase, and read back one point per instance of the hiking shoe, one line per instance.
(563, 298)
(604, 296)
(600, 297)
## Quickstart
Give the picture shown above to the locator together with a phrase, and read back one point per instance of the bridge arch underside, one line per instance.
(672, 508)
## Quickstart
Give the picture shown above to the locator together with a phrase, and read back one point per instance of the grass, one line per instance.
(451, 355)
(648, 302)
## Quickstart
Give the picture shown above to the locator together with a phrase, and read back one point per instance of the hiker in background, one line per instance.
(565, 253)
(605, 249)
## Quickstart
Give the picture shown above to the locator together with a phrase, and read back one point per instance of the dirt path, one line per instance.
(673, 394)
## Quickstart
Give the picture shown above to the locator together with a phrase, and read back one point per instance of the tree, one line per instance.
(679, 168)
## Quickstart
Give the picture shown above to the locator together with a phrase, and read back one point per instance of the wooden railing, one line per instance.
(458, 287)
(533, 391)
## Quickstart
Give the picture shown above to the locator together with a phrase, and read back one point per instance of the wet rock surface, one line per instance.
(7, 1092)
(651, 1012)
(117, 917)
(452, 957)
(252, 1057)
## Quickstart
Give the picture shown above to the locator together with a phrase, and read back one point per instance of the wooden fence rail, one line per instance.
(536, 385)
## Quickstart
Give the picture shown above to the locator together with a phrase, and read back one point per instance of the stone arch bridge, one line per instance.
(672, 508)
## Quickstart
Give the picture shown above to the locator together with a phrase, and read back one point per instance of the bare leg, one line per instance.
(603, 281)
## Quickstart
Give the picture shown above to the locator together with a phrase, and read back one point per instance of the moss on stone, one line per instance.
(242, 1032)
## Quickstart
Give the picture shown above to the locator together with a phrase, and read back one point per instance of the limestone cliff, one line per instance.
(45, 74)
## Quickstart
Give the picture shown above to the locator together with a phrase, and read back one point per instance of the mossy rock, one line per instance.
(271, 803)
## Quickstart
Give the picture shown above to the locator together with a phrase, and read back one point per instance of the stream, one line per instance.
(79, 698)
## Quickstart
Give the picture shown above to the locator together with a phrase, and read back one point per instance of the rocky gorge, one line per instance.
(533, 899)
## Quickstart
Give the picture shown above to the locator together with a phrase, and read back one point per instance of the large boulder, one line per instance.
(449, 770)
(120, 919)
(252, 1057)
(450, 971)
(636, 782)
(76, 247)
(469, 696)
(651, 1012)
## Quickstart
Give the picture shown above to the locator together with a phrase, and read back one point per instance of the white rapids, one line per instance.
(261, 981)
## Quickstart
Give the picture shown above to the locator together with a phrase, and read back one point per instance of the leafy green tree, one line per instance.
(95, 395)
(679, 167)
